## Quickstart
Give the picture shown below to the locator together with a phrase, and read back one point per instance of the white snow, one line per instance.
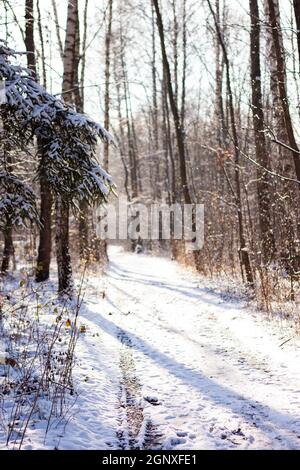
(164, 361)
(167, 363)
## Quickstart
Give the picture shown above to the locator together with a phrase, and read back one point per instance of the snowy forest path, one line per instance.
(180, 366)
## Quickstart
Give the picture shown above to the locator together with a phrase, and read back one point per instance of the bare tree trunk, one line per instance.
(170, 163)
(184, 191)
(107, 82)
(69, 57)
(122, 133)
(45, 240)
(243, 251)
(184, 63)
(101, 245)
(62, 206)
(154, 82)
(78, 100)
(40, 28)
(60, 44)
(297, 15)
(8, 250)
(44, 250)
(64, 266)
(130, 139)
(288, 150)
(154, 137)
(273, 16)
(29, 36)
(174, 109)
(263, 184)
(219, 107)
(175, 49)
(84, 45)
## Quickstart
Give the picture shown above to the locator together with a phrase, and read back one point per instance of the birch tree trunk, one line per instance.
(69, 57)
(62, 205)
(100, 245)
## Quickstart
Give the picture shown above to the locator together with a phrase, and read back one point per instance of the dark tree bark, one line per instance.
(170, 160)
(45, 241)
(184, 63)
(69, 58)
(219, 106)
(107, 82)
(174, 109)
(44, 250)
(29, 36)
(64, 266)
(263, 184)
(274, 23)
(155, 167)
(8, 250)
(154, 82)
(297, 15)
(175, 34)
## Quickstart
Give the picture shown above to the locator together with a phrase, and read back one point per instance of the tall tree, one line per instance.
(107, 80)
(45, 232)
(185, 193)
(296, 4)
(62, 204)
(279, 76)
(44, 250)
(29, 36)
(100, 246)
(243, 249)
(263, 184)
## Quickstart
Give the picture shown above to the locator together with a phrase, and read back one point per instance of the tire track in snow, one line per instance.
(136, 430)
(226, 412)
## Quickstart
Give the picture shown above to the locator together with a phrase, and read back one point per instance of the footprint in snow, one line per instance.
(181, 433)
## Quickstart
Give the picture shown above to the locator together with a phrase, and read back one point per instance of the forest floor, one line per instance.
(168, 362)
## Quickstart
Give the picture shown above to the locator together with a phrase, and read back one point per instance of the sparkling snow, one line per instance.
(168, 363)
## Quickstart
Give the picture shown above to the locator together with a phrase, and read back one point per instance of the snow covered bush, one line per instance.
(68, 138)
(67, 163)
(17, 202)
(38, 337)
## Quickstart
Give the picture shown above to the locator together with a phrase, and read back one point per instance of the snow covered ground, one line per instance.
(166, 362)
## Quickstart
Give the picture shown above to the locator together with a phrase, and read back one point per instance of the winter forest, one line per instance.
(149, 225)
